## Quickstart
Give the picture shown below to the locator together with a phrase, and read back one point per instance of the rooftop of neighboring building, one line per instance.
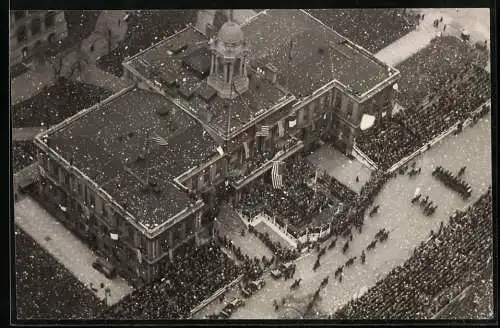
(184, 58)
(319, 54)
(112, 144)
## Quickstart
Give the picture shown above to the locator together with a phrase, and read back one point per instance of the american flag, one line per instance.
(158, 139)
(276, 175)
(264, 131)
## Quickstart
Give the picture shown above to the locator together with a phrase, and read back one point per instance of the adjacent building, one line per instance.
(138, 174)
(32, 29)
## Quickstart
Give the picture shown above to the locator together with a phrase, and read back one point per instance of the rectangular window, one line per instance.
(338, 102)
(349, 109)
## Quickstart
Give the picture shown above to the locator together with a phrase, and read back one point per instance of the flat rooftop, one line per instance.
(319, 54)
(184, 58)
(112, 144)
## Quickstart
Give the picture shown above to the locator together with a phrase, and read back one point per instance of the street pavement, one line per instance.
(407, 225)
(29, 84)
(474, 20)
(66, 248)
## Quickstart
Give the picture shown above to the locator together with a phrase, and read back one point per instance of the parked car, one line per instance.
(276, 273)
(256, 284)
(105, 268)
(236, 303)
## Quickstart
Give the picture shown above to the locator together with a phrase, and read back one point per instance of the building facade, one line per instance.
(30, 29)
(241, 111)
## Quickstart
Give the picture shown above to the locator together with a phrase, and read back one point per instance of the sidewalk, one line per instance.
(66, 248)
(418, 39)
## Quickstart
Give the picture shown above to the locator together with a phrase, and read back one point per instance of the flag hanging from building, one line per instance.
(264, 131)
(220, 150)
(247, 149)
(139, 255)
(158, 139)
(276, 175)
(292, 123)
(281, 129)
(114, 236)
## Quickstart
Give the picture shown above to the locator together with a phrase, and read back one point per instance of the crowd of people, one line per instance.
(434, 68)
(145, 27)
(23, 154)
(67, 297)
(373, 29)
(295, 203)
(387, 142)
(456, 102)
(281, 253)
(453, 181)
(337, 188)
(391, 140)
(439, 269)
(194, 274)
(55, 103)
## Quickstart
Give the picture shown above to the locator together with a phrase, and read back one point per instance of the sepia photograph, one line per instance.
(264, 164)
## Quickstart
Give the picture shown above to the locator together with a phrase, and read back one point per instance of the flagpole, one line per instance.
(147, 158)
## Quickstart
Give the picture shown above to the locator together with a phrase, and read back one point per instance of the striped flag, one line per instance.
(281, 129)
(264, 131)
(277, 177)
(247, 149)
(158, 139)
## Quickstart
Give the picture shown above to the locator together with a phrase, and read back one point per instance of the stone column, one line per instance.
(197, 228)
(212, 65)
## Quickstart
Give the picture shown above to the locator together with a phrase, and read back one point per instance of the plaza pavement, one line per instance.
(66, 248)
(339, 166)
(407, 225)
(229, 224)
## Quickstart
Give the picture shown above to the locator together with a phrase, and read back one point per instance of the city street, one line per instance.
(66, 248)
(407, 225)
(475, 20)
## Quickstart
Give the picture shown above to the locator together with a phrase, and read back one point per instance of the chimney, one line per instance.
(271, 72)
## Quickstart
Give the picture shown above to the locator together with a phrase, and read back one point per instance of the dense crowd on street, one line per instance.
(373, 29)
(434, 68)
(145, 27)
(389, 141)
(56, 102)
(23, 154)
(455, 103)
(296, 201)
(45, 289)
(194, 274)
(452, 258)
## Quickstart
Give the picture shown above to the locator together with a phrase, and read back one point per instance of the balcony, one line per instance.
(261, 163)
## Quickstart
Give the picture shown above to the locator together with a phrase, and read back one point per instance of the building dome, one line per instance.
(230, 32)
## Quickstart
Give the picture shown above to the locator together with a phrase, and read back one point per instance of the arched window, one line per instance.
(21, 33)
(25, 52)
(18, 14)
(50, 19)
(36, 26)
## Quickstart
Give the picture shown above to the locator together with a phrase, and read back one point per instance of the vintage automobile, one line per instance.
(256, 284)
